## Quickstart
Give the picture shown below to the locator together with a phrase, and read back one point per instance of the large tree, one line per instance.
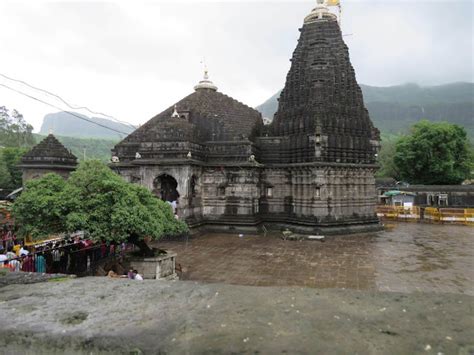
(40, 209)
(385, 159)
(96, 200)
(434, 153)
(10, 158)
(14, 130)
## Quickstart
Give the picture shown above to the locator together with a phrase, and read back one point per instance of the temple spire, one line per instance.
(321, 11)
(205, 83)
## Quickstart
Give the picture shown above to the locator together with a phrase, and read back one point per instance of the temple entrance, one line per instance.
(165, 187)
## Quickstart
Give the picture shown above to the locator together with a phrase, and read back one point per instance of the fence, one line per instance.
(76, 258)
(399, 213)
(428, 214)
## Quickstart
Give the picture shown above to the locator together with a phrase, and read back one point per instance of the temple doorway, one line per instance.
(165, 187)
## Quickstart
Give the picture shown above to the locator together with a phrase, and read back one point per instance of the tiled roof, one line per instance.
(50, 150)
(206, 115)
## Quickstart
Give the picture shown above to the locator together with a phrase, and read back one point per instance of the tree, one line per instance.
(434, 153)
(99, 202)
(385, 158)
(40, 209)
(14, 130)
(5, 177)
(11, 157)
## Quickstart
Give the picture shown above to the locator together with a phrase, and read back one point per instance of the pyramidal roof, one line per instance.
(50, 150)
(207, 112)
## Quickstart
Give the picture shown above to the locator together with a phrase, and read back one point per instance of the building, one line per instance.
(458, 196)
(48, 156)
(312, 169)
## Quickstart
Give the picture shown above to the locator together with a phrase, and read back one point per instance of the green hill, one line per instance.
(64, 124)
(394, 109)
(93, 148)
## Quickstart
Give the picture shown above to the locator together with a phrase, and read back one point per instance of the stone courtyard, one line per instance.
(404, 258)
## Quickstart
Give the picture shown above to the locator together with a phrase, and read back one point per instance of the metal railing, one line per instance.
(427, 214)
(75, 258)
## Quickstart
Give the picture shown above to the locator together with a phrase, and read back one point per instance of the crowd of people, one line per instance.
(132, 275)
(67, 255)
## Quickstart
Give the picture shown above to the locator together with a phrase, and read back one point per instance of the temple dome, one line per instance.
(50, 151)
(204, 117)
(206, 83)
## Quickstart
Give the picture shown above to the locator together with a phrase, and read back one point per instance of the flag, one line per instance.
(333, 2)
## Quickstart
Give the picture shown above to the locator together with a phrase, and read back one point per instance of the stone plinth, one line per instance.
(160, 267)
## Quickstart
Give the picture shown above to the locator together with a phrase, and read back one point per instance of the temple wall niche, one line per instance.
(189, 204)
(230, 192)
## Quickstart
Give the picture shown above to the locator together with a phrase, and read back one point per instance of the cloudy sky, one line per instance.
(132, 59)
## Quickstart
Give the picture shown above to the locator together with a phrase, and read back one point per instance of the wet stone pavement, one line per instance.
(406, 257)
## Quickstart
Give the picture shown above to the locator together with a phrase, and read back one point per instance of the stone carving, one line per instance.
(312, 168)
(48, 156)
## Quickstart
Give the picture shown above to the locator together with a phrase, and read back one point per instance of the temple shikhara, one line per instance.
(312, 169)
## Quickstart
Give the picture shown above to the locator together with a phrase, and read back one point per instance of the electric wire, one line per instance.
(59, 108)
(65, 102)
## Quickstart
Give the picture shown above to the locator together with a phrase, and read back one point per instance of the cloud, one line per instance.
(134, 59)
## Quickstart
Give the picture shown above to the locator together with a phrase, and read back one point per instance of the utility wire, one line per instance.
(65, 102)
(59, 108)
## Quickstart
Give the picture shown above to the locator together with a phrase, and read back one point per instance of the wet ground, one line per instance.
(408, 290)
(100, 315)
(407, 257)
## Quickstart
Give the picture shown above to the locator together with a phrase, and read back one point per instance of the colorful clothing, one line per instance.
(40, 264)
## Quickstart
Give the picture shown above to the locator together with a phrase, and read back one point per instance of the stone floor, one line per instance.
(407, 257)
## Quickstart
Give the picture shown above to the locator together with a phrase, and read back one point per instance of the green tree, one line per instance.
(14, 130)
(98, 201)
(11, 157)
(5, 177)
(40, 209)
(434, 153)
(386, 157)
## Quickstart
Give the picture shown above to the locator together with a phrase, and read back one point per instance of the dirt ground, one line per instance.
(101, 315)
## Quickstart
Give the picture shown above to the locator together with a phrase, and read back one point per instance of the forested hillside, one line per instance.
(394, 109)
(93, 148)
(64, 124)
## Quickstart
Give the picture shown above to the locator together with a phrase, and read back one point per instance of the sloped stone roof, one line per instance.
(205, 115)
(51, 151)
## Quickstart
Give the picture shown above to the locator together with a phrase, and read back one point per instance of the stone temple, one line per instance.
(310, 170)
(48, 156)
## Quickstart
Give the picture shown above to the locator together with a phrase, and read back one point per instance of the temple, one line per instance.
(48, 156)
(311, 170)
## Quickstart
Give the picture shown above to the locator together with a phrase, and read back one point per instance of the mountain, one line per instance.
(92, 148)
(394, 109)
(64, 124)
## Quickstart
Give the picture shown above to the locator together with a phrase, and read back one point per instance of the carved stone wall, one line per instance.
(312, 168)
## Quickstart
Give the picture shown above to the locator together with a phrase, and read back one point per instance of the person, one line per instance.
(48, 257)
(24, 250)
(16, 248)
(15, 264)
(112, 274)
(174, 206)
(103, 248)
(63, 257)
(56, 256)
(10, 254)
(3, 259)
(130, 274)
(40, 263)
(28, 263)
(137, 276)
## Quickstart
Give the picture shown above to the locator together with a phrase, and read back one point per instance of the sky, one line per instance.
(133, 59)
